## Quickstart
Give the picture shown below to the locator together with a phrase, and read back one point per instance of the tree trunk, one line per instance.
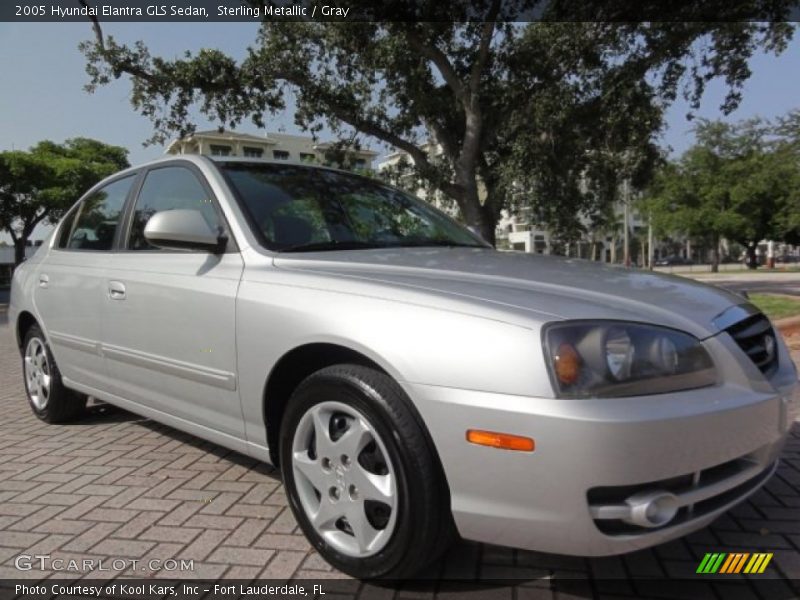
(19, 250)
(487, 228)
(715, 253)
(752, 259)
(479, 220)
(480, 217)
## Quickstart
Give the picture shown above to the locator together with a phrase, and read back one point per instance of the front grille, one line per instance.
(756, 337)
(698, 493)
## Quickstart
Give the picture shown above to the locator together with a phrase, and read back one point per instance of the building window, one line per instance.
(308, 157)
(280, 155)
(251, 152)
(218, 150)
(360, 163)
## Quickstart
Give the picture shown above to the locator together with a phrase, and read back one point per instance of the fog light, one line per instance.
(652, 509)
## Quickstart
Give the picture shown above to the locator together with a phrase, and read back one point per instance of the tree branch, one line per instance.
(444, 136)
(443, 65)
(418, 155)
(367, 126)
(108, 57)
(29, 226)
(483, 49)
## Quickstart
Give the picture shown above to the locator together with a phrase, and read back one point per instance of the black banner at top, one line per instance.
(399, 10)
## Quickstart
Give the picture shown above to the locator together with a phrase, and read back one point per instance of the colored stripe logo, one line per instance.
(734, 562)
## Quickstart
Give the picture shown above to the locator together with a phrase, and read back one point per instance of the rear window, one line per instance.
(93, 223)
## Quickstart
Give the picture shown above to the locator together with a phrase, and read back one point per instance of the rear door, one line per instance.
(71, 289)
(169, 334)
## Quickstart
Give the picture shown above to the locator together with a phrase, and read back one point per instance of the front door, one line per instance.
(169, 336)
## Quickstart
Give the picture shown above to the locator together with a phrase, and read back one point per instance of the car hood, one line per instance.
(545, 288)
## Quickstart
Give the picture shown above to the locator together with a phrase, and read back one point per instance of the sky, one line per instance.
(42, 77)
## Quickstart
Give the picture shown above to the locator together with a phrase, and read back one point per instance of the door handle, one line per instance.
(116, 290)
(43, 280)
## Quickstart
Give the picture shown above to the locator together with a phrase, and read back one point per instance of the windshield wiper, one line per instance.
(331, 245)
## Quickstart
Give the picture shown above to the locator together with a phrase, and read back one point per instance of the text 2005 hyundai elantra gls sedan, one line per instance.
(409, 381)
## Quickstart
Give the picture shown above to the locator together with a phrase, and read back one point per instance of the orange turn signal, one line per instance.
(567, 364)
(505, 441)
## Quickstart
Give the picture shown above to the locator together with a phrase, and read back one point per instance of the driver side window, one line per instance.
(169, 188)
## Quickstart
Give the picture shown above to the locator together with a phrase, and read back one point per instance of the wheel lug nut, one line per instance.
(334, 493)
(345, 461)
(326, 463)
(353, 492)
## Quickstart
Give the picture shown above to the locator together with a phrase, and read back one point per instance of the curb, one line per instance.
(787, 323)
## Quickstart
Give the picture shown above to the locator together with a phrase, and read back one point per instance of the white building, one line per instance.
(275, 146)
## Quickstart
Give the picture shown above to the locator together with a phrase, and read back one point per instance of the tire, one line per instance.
(47, 396)
(377, 468)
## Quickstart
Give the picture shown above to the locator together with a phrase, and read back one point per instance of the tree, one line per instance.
(37, 186)
(533, 105)
(737, 182)
(787, 153)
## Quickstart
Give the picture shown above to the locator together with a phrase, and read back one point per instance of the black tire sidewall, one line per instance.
(360, 396)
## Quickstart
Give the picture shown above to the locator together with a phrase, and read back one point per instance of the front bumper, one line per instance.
(710, 448)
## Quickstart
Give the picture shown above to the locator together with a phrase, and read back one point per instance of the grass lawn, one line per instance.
(775, 306)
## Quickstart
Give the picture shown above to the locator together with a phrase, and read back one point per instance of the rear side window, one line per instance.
(93, 224)
(169, 188)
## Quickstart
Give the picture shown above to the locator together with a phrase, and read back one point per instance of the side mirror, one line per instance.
(184, 229)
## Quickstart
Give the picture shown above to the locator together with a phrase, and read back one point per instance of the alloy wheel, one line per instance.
(345, 480)
(37, 373)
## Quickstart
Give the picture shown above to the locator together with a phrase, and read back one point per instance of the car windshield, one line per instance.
(302, 209)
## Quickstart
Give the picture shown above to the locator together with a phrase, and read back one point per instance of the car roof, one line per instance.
(273, 161)
(204, 159)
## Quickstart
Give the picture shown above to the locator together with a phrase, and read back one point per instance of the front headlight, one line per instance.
(616, 358)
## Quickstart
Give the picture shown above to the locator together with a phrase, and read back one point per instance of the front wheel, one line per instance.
(361, 475)
(47, 396)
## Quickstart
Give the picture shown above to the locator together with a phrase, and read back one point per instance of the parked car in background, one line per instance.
(672, 261)
(409, 381)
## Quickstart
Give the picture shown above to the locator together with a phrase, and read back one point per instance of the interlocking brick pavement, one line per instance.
(115, 485)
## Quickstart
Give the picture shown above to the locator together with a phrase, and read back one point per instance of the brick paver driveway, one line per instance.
(119, 486)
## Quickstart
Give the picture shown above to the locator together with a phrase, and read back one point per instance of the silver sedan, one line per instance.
(410, 382)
